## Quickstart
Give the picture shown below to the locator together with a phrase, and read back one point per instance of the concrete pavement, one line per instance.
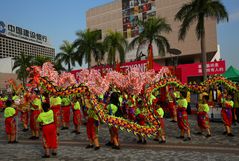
(72, 147)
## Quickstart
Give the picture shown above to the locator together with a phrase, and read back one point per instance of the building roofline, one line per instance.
(50, 47)
(99, 6)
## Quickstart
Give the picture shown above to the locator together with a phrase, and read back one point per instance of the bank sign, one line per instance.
(23, 34)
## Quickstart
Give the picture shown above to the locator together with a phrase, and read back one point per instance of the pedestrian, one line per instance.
(49, 131)
(140, 115)
(236, 107)
(161, 132)
(55, 103)
(10, 122)
(25, 111)
(112, 110)
(25, 118)
(189, 111)
(92, 126)
(76, 114)
(65, 112)
(202, 116)
(226, 112)
(3, 100)
(171, 101)
(182, 116)
(36, 106)
(15, 98)
(131, 103)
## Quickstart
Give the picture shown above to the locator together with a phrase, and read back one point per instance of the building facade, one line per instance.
(15, 40)
(122, 15)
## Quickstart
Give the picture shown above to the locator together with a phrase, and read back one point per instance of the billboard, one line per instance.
(23, 34)
(134, 10)
(194, 70)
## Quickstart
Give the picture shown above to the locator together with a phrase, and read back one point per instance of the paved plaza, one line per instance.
(72, 147)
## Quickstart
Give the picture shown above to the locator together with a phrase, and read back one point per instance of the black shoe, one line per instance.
(24, 130)
(109, 144)
(36, 138)
(187, 139)
(46, 156)
(97, 148)
(230, 134)
(77, 133)
(15, 142)
(208, 135)
(173, 121)
(155, 139)
(63, 128)
(180, 137)
(224, 133)
(139, 142)
(9, 142)
(162, 142)
(32, 138)
(89, 146)
(54, 154)
(198, 133)
(116, 147)
(144, 142)
(74, 131)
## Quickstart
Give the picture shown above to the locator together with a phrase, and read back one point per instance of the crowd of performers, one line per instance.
(50, 113)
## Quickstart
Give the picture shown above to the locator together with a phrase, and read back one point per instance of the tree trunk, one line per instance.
(89, 61)
(204, 56)
(89, 66)
(69, 67)
(23, 83)
(150, 56)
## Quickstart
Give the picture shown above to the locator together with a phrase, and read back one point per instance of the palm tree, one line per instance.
(89, 43)
(40, 60)
(67, 54)
(153, 28)
(115, 42)
(21, 64)
(197, 11)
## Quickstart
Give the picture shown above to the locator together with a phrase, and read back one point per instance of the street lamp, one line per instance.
(175, 52)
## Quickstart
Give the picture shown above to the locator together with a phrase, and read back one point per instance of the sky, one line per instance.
(61, 19)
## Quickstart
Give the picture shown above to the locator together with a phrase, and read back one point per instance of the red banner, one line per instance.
(191, 70)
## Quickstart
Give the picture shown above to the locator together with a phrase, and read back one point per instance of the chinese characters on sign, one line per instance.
(24, 34)
(212, 68)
